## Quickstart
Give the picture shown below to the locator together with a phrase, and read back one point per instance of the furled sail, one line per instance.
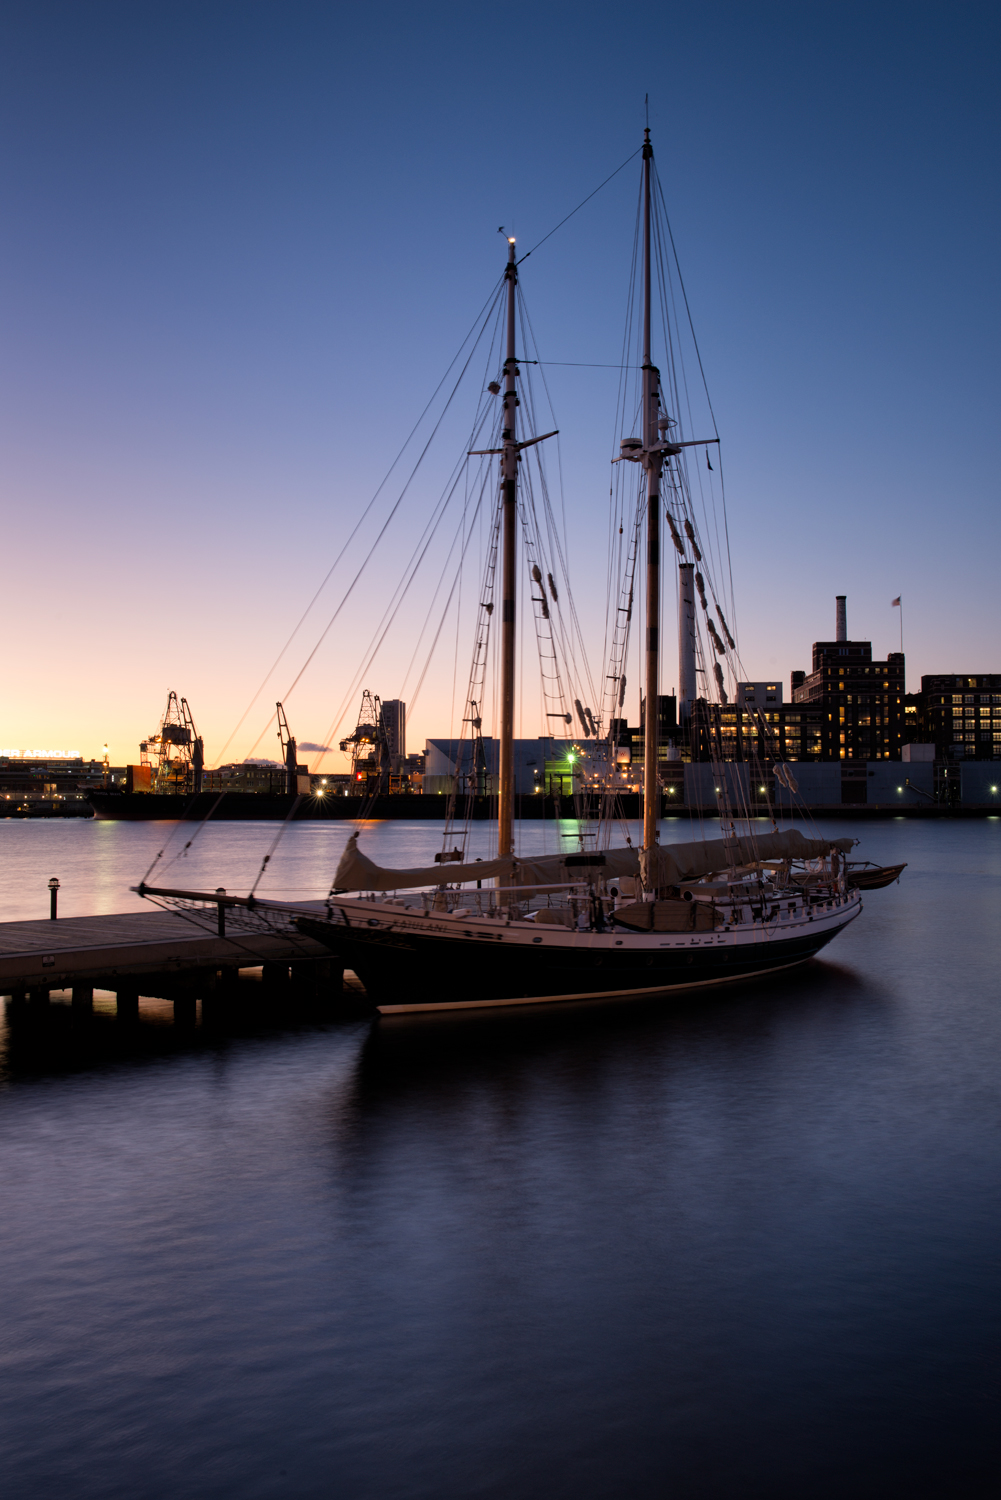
(675, 863)
(679, 862)
(356, 872)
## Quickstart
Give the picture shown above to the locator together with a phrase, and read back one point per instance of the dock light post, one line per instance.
(221, 910)
(53, 897)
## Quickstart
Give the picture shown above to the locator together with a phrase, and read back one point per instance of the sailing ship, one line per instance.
(598, 921)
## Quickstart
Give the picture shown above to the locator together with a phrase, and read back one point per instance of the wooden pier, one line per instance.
(173, 955)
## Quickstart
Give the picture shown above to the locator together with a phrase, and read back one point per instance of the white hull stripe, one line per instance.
(659, 989)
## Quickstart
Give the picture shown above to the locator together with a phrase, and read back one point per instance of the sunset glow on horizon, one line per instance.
(243, 245)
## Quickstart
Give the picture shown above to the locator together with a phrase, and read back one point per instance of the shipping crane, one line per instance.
(369, 746)
(175, 755)
(290, 753)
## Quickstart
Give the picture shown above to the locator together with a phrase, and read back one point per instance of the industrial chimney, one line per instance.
(841, 630)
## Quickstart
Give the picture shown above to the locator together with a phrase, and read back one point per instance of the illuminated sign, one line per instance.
(41, 754)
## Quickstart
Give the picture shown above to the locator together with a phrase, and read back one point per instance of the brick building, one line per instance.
(861, 700)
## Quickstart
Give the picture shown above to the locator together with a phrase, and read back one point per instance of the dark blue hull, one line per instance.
(416, 970)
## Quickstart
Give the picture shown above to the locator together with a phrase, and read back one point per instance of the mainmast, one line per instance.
(509, 538)
(653, 459)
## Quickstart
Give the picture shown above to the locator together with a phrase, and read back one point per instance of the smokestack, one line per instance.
(686, 642)
(841, 630)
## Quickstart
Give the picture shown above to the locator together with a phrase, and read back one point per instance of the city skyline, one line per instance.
(230, 234)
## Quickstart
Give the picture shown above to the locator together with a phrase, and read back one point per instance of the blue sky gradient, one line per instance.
(241, 242)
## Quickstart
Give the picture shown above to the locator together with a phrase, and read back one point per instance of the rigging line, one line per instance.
(527, 331)
(478, 663)
(462, 469)
(441, 624)
(275, 842)
(196, 918)
(495, 293)
(434, 599)
(201, 824)
(559, 449)
(534, 552)
(574, 631)
(666, 282)
(619, 484)
(390, 615)
(458, 627)
(392, 609)
(409, 573)
(462, 537)
(379, 539)
(684, 294)
(705, 383)
(580, 205)
(683, 487)
(176, 829)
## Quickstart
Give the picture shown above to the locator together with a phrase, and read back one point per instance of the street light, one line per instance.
(53, 897)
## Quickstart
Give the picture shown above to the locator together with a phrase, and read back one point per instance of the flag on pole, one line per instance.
(894, 603)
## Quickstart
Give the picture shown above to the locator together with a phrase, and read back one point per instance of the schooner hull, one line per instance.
(412, 970)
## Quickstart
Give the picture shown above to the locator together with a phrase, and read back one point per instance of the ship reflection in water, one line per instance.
(737, 1246)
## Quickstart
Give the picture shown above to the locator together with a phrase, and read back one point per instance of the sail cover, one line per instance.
(675, 864)
(680, 862)
(356, 872)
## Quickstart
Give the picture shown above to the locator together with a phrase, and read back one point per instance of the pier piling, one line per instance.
(127, 1005)
(320, 978)
(185, 1011)
(83, 999)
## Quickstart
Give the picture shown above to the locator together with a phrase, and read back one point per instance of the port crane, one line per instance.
(290, 753)
(176, 753)
(368, 744)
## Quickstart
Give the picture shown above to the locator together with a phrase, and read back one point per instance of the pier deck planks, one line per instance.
(135, 943)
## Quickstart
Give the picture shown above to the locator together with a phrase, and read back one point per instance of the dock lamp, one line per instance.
(53, 897)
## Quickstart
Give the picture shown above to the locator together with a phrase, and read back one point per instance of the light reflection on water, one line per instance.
(97, 862)
(737, 1246)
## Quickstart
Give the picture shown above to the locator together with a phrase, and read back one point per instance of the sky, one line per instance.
(241, 243)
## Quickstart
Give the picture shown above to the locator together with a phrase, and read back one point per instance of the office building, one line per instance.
(394, 721)
(960, 714)
(758, 694)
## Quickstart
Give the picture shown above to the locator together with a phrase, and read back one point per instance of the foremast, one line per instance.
(509, 541)
(653, 462)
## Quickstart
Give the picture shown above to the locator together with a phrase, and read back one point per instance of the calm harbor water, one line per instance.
(741, 1246)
